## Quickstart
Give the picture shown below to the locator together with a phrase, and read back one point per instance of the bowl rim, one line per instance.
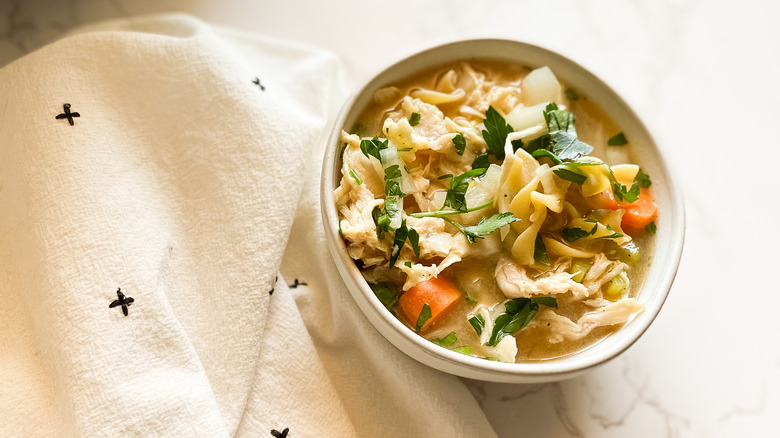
(442, 358)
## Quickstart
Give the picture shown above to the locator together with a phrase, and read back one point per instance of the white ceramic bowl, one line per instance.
(670, 222)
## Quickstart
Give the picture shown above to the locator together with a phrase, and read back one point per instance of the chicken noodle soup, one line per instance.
(495, 211)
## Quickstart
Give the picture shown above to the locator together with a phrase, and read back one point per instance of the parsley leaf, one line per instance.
(482, 161)
(567, 147)
(559, 120)
(425, 315)
(651, 228)
(446, 341)
(572, 234)
(456, 194)
(442, 213)
(622, 193)
(568, 175)
(399, 239)
(519, 312)
(382, 221)
(371, 148)
(496, 130)
(478, 322)
(459, 142)
(355, 176)
(485, 226)
(414, 119)
(618, 140)
(386, 293)
(540, 251)
(643, 179)
(539, 153)
(414, 241)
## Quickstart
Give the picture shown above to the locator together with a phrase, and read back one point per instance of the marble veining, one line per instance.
(703, 75)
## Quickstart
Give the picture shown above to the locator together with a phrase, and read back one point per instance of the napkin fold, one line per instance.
(151, 172)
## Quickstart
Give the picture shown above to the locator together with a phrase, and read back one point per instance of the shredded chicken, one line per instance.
(514, 281)
(561, 328)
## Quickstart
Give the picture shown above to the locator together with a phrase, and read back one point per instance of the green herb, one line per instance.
(571, 94)
(408, 264)
(478, 322)
(495, 132)
(464, 350)
(517, 144)
(485, 226)
(614, 235)
(442, 213)
(403, 150)
(651, 228)
(471, 301)
(539, 153)
(392, 209)
(355, 176)
(561, 140)
(481, 162)
(414, 240)
(386, 292)
(572, 234)
(371, 148)
(456, 194)
(568, 175)
(643, 179)
(393, 181)
(567, 147)
(540, 251)
(399, 239)
(341, 152)
(459, 142)
(360, 130)
(559, 120)
(618, 140)
(446, 341)
(425, 315)
(382, 221)
(519, 312)
(623, 193)
(414, 119)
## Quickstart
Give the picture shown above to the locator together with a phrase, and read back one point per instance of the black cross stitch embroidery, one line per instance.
(282, 434)
(297, 283)
(123, 301)
(274, 285)
(257, 82)
(67, 114)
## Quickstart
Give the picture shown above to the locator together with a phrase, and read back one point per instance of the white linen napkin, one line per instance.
(150, 176)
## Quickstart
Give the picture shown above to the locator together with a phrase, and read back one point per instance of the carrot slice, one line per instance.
(605, 199)
(438, 293)
(639, 213)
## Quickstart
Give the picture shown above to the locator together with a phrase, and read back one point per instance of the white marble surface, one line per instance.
(703, 76)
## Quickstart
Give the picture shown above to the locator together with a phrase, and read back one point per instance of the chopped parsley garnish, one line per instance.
(478, 322)
(355, 176)
(625, 194)
(643, 179)
(561, 140)
(485, 226)
(382, 221)
(371, 148)
(651, 228)
(442, 213)
(568, 175)
(540, 251)
(571, 94)
(539, 153)
(446, 341)
(519, 312)
(408, 264)
(425, 315)
(456, 194)
(481, 162)
(495, 132)
(386, 293)
(459, 142)
(618, 140)
(572, 234)
(414, 119)
(399, 239)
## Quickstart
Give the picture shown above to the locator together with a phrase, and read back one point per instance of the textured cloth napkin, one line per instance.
(156, 174)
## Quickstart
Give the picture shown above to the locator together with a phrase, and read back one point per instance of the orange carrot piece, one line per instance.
(639, 213)
(439, 293)
(605, 199)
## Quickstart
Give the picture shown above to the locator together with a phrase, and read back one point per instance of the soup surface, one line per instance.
(495, 211)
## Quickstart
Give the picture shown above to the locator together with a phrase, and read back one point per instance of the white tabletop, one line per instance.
(704, 78)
